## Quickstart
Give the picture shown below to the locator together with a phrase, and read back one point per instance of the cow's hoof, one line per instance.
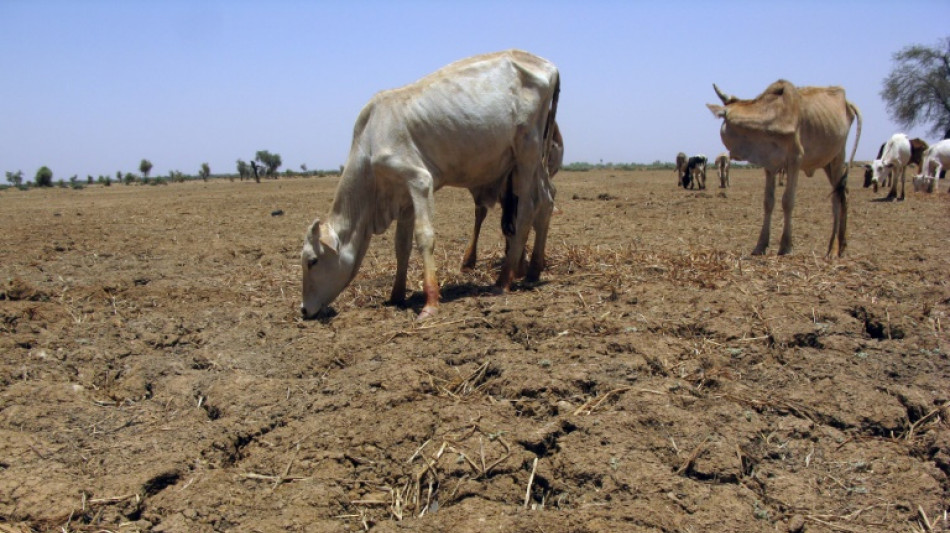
(427, 313)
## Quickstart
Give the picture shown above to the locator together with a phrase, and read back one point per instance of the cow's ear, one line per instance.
(717, 110)
(328, 239)
(313, 234)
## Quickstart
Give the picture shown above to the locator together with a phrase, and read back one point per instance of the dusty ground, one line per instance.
(155, 375)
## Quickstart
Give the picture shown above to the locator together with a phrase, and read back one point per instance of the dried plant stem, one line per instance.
(527, 493)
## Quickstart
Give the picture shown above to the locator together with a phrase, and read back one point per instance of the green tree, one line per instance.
(205, 171)
(15, 178)
(244, 171)
(270, 161)
(145, 167)
(917, 91)
(44, 177)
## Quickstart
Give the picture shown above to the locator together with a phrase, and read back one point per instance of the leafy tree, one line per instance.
(270, 161)
(44, 177)
(244, 171)
(205, 171)
(15, 178)
(129, 178)
(145, 167)
(917, 91)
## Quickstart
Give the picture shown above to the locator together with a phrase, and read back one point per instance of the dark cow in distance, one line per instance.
(695, 175)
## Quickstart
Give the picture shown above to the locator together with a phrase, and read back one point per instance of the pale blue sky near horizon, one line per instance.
(91, 87)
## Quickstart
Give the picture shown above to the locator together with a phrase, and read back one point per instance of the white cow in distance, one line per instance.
(936, 160)
(893, 163)
(486, 122)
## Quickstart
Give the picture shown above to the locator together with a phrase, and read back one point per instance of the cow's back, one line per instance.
(825, 121)
(464, 121)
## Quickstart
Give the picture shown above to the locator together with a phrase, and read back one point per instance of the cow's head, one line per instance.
(879, 172)
(762, 129)
(326, 272)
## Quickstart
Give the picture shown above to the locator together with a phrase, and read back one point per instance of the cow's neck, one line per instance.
(351, 215)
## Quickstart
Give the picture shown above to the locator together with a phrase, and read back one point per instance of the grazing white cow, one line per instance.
(680, 169)
(482, 122)
(893, 163)
(722, 167)
(796, 128)
(486, 197)
(936, 160)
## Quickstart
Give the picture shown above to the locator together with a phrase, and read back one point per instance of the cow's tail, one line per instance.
(549, 126)
(857, 136)
(842, 187)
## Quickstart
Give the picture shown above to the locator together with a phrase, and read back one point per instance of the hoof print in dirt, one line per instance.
(875, 327)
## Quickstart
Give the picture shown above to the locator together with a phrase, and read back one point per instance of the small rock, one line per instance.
(796, 524)
(277, 212)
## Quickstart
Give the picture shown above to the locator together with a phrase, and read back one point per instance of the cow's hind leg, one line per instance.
(542, 221)
(768, 204)
(838, 179)
(525, 187)
(788, 205)
(469, 259)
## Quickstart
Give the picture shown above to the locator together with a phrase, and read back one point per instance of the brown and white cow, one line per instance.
(485, 121)
(798, 128)
(722, 167)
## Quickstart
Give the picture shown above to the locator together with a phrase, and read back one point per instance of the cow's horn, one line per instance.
(722, 96)
(315, 230)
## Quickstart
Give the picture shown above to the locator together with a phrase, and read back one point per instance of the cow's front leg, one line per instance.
(768, 204)
(403, 240)
(423, 204)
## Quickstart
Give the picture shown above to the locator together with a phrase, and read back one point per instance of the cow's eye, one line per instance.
(312, 262)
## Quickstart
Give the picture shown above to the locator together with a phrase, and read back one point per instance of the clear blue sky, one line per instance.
(92, 87)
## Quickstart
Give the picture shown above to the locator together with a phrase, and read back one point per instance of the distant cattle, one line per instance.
(892, 164)
(680, 168)
(796, 128)
(722, 168)
(482, 122)
(695, 176)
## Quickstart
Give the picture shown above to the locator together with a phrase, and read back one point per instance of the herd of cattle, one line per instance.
(487, 124)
